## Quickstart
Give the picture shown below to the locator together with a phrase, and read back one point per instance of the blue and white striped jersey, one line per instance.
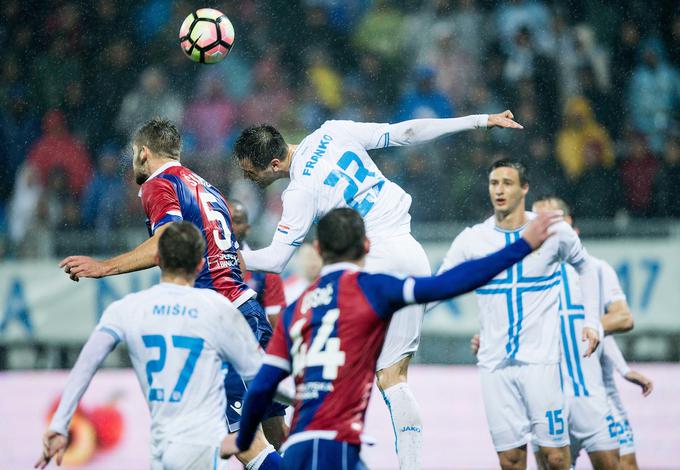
(519, 309)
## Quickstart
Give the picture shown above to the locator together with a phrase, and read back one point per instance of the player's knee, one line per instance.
(557, 459)
(628, 462)
(393, 375)
(511, 460)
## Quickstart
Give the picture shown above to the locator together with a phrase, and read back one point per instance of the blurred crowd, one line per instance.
(596, 85)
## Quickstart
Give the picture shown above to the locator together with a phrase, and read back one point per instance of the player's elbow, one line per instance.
(627, 322)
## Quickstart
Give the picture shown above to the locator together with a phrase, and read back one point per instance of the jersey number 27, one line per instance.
(194, 345)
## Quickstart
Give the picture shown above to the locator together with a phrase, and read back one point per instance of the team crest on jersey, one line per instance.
(319, 296)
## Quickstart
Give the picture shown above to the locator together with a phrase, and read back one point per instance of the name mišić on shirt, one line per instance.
(176, 310)
(318, 153)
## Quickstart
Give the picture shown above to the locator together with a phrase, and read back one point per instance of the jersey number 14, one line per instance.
(324, 352)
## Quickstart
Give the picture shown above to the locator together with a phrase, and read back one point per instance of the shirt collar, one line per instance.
(158, 172)
(341, 266)
(162, 169)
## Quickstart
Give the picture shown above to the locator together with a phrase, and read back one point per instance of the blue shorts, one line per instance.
(322, 454)
(234, 386)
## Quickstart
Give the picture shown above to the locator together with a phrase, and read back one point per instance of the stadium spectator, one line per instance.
(532, 16)
(210, 118)
(58, 148)
(19, 127)
(546, 176)
(272, 97)
(424, 27)
(673, 40)
(666, 189)
(456, 70)
(105, 194)
(580, 134)
(654, 93)
(23, 221)
(380, 32)
(151, 98)
(424, 100)
(638, 172)
(112, 69)
(52, 72)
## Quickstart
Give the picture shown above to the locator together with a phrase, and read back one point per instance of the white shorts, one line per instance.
(589, 425)
(619, 427)
(181, 456)
(400, 255)
(524, 401)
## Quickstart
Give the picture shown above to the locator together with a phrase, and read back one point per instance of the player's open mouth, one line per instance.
(500, 201)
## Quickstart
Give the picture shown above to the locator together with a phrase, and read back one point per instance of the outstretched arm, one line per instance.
(415, 131)
(390, 294)
(142, 257)
(98, 346)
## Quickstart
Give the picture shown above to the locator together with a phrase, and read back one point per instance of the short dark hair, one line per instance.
(559, 202)
(341, 235)
(181, 248)
(516, 164)
(161, 136)
(260, 145)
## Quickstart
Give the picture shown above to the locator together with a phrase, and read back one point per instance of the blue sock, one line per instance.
(272, 462)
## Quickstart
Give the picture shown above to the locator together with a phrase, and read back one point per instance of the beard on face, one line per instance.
(140, 177)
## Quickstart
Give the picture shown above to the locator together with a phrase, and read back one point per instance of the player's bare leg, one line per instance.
(556, 458)
(605, 459)
(275, 430)
(406, 421)
(514, 459)
(629, 462)
(259, 451)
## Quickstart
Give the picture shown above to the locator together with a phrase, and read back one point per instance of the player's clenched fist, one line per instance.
(538, 230)
(229, 447)
(83, 266)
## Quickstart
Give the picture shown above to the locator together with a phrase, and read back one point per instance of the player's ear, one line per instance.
(367, 245)
(144, 154)
(275, 164)
(157, 259)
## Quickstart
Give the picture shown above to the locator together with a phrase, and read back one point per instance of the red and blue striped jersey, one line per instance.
(175, 193)
(330, 340)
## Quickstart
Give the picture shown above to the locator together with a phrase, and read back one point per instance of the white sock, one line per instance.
(259, 458)
(407, 425)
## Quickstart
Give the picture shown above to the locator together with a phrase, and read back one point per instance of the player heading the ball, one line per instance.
(330, 339)
(329, 169)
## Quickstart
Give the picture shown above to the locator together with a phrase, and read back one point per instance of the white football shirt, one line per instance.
(331, 168)
(519, 309)
(178, 338)
(583, 375)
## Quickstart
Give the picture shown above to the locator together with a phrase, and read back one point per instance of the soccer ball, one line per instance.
(206, 36)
